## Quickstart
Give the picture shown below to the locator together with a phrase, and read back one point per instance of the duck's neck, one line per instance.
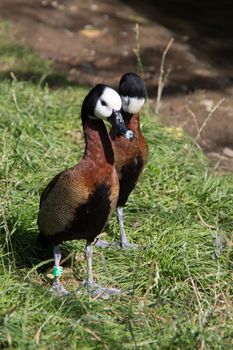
(133, 122)
(98, 146)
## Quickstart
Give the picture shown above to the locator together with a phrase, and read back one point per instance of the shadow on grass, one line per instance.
(29, 66)
(57, 80)
(22, 250)
(207, 27)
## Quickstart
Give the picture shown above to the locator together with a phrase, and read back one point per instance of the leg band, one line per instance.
(57, 271)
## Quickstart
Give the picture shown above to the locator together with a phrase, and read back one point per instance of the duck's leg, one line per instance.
(123, 240)
(124, 244)
(92, 287)
(89, 253)
(57, 287)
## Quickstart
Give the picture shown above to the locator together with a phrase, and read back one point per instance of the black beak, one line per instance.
(117, 121)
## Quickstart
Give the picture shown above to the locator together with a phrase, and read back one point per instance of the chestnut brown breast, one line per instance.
(130, 158)
(77, 203)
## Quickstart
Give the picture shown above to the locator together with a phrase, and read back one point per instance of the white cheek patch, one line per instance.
(102, 111)
(112, 98)
(112, 102)
(132, 105)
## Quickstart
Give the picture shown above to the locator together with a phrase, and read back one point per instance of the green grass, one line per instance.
(180, 297)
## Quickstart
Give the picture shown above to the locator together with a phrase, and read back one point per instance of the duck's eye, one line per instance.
(103, 103)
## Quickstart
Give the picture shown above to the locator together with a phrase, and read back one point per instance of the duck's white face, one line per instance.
(107, 103)
(132, 105)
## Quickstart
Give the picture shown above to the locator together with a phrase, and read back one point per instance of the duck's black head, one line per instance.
(103, 102)
(133, 92)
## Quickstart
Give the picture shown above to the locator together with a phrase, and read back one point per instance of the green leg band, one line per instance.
(57, 271)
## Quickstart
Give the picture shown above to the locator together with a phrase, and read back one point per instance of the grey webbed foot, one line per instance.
(59, 290)
(102, 244)
(97, 291)
(128, 245)
(103, 293)
(116, 245)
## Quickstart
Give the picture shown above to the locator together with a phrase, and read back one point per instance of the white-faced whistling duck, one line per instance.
(130, 158)
(77, 203)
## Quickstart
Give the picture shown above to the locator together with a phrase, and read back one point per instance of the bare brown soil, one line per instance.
(92, 41)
